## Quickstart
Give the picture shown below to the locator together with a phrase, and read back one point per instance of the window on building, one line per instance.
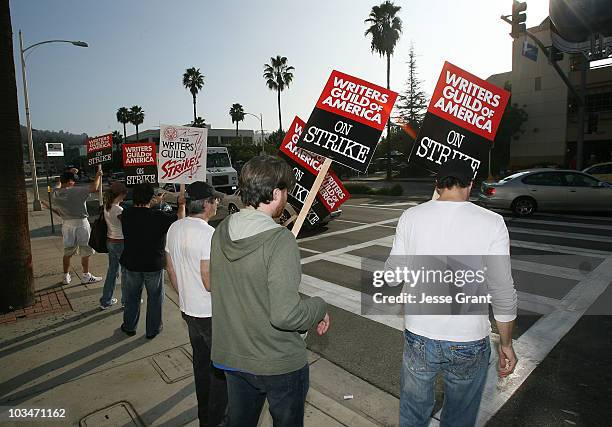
(538, 83)
(597, 102)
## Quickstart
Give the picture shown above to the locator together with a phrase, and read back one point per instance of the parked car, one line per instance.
(232, 204)
(528, 191)
(602, 171)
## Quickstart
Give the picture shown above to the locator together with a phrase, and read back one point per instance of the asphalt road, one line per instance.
(565, 357)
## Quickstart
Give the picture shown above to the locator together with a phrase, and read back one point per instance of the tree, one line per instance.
(510, 124)
(237, 113)
(137, 116)
(275, 139)
(413, 100)
(17, 289)
(199, 122)
(385, 29)
(278, 77)
(117, 142)
(194, 81)
(123, 117)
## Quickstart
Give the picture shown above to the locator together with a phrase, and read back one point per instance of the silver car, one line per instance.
(547, 190)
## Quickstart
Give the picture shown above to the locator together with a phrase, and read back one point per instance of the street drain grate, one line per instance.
(118, 414)
(173, 365)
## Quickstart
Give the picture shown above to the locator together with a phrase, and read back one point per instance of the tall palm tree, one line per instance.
(199, 122)
(17, 289)
(385, 29)
(278, 77)
(123, 117)
(194, 81)
(137, 116)
(237, 113)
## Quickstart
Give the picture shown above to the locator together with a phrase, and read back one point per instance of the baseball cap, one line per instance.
(201, 190)
(456, 168)
(67, 176)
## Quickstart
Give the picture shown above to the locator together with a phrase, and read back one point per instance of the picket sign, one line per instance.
(312, 194)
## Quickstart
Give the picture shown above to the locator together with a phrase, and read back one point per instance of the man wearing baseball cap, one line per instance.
(453, 345)
(187, 262)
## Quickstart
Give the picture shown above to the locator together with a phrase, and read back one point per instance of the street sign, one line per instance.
(99, 149)
(55, 149)
(347, 121)
(139, 163)
(306, 166)
(461, 121)
(182, 154)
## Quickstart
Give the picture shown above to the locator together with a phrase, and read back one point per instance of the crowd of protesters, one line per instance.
(238, 292)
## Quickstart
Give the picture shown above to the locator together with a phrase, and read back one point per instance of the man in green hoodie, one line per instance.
(258, 315)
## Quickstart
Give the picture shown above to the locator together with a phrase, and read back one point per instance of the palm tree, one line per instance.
(278, 77)
(194, 81)
(385, 29)
(17, 288)
(137, 116)
(237, 113)
(199, 122)
(123, 117)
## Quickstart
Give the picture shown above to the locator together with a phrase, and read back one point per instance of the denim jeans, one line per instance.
(211, 388)
(132, 284)
(115, 249)
(464, 368)
(286, 394)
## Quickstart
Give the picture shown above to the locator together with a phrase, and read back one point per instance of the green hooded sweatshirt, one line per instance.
(255, 272)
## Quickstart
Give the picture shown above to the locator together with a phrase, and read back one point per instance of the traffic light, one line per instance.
(519, 16)
(554, 54)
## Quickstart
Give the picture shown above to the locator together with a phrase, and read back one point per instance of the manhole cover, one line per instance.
(173, 365)
(119, 414)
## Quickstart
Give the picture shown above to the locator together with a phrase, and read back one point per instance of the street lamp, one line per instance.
(260, 117)
(36, 204)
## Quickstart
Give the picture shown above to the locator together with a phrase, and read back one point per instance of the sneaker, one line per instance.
(111, 302)
(90, 278)
(67, 279)
(127, 331)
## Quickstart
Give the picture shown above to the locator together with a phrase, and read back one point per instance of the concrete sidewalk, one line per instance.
(78, 361)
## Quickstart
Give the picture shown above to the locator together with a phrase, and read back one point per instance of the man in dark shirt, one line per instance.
(143, 258)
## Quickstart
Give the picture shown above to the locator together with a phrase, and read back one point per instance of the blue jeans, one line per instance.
(464, 367)
(115, 249)
(132, 284)
(286, 394)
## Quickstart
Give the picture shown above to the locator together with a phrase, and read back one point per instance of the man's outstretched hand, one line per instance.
(323, 325)
(507, 360)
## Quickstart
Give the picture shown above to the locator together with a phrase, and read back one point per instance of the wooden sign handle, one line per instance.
(100, 192)
(182, 190)
(312, 194)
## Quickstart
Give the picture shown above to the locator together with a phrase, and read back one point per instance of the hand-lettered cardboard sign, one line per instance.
(347, 121)
(182, 154)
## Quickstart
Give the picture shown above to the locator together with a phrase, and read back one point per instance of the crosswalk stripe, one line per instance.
(548, 233)
(347, 230)
(563, 223)
(359, 222)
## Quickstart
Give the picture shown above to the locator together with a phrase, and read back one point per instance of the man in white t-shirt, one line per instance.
(455, 345)
(187, 262)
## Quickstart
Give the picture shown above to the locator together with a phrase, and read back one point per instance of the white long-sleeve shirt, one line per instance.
(458, 228)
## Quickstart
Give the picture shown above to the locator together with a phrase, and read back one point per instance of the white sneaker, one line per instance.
(90, 278)
(113, 301)
(67, 279)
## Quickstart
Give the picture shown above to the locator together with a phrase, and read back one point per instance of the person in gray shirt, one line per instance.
(69, 202)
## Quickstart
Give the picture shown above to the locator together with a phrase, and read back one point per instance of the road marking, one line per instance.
(358, 222)
(310, 250)
(348, 230)
(568, 224)
(375, 207)
(562, 234)
(556, 215)
(537, 341)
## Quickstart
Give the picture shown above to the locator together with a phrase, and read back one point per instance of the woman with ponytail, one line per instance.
(112, 210)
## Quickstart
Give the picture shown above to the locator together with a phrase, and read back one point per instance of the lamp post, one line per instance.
(36, 204)
(260, 117)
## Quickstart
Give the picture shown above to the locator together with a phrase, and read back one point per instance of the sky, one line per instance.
(139, 49)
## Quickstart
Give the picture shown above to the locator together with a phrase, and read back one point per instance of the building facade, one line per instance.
(549, 135)
(216, 137)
